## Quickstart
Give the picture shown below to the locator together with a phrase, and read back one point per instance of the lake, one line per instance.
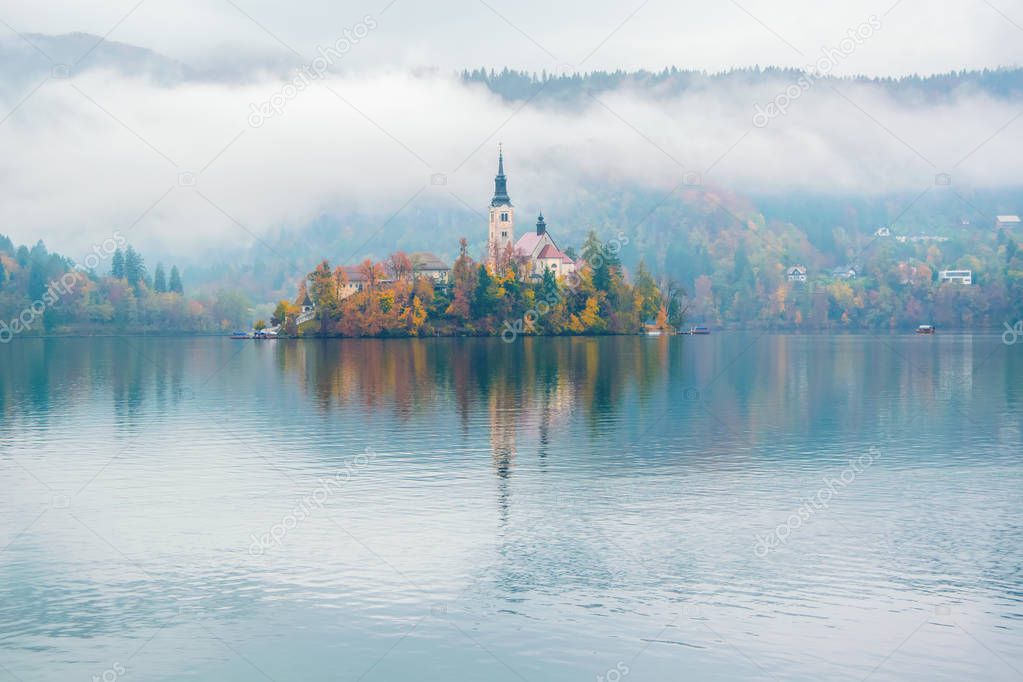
(737, 506)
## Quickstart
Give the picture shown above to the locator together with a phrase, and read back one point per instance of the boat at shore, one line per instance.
(698, 330)
(925, 329)
(237, 334)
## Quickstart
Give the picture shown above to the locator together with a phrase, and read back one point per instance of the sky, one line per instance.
(919, 36)
(176, 166)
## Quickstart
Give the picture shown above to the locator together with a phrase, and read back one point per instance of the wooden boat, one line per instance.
(925, 329)
(699, 330)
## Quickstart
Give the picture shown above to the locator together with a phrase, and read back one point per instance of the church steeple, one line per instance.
(541, 225)
(500, 182)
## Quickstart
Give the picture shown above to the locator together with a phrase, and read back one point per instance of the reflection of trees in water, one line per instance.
(420, 375)
(38, 377)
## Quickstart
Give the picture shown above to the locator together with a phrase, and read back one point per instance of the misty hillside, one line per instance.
(31, 55)
(1006, 83)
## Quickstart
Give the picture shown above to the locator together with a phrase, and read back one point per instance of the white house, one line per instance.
(797, 273)
(429, 265)
(957, 276)
(1007, 221)
(883, 232)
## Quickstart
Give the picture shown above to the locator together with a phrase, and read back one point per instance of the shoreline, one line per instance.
(714, 332)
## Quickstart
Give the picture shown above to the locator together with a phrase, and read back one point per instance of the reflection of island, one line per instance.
(708, 393)
(537, 380)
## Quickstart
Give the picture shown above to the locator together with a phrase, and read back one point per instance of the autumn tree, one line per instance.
(400, 266)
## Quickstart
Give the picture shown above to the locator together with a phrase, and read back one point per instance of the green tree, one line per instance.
(117, 264)
(649, 297)
(483, 296)
(134, 267)
(175, 281)
(159, 279)
(549, 292)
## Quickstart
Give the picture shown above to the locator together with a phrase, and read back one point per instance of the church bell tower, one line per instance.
(502, 215)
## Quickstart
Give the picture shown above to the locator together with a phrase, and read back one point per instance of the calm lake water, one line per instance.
(738, 506)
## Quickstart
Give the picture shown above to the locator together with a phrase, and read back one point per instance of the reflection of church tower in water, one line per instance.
(501, 234)
(504, 410)
(503, 418)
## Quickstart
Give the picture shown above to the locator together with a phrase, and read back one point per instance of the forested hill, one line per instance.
(1006, 83)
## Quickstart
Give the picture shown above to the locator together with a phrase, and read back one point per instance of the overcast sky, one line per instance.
(918, 36)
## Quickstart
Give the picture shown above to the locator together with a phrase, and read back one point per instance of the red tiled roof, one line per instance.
(550, 251)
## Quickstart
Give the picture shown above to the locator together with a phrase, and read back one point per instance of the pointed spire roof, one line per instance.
(500, 182)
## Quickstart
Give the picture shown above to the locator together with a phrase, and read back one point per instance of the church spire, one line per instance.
(500, 182)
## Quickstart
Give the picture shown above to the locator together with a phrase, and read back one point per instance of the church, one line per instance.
(536, 250)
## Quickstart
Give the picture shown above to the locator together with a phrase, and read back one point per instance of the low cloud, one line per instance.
(181, 167)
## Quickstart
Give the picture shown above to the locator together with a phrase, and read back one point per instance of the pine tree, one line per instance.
(599, 260)
(549, 287)
(175, 281)
(36, 280)
(159, 279)
(482, 299)
(3, 274)
(134, 267)
(117, 265)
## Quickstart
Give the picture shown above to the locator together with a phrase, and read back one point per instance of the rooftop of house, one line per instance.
(424, 260)
(355, 274)
(552, 252)
(527, 242)
(1008, 218)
